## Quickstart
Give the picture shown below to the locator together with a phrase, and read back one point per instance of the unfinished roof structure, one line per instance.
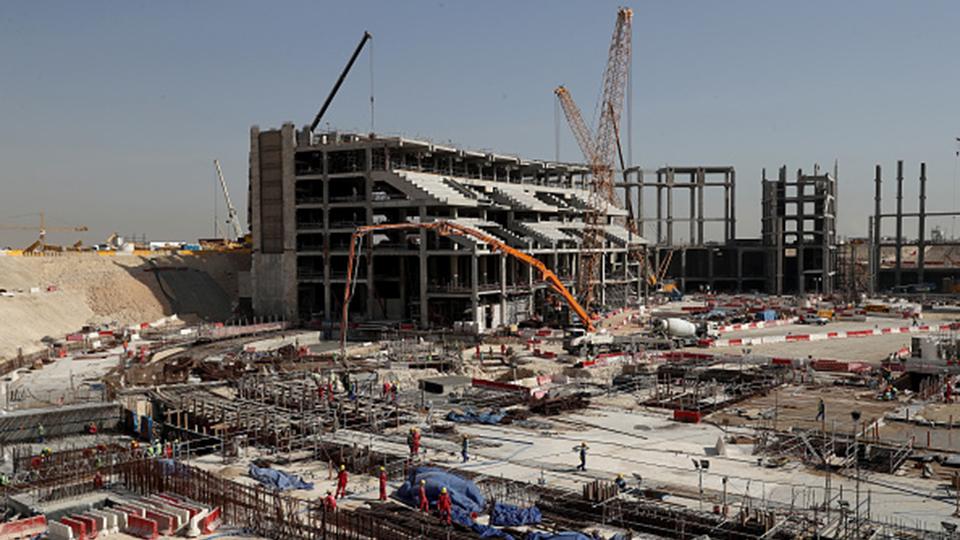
(309, 192)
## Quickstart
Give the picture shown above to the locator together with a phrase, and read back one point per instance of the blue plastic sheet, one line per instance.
(472, 417)
(278, 480)
(483, 531)
(510, 515)
(464, 494)
(569, 535)
(465, 498)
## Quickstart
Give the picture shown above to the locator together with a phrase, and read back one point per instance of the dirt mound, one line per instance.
(56, 295)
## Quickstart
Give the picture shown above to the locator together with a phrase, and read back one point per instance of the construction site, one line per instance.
(412, 340)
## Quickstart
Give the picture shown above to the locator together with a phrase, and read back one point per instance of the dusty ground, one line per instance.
(796, 406)
(78, 289)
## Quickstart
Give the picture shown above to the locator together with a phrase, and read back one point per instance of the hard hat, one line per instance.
(443, 490)
(423, 481)
(619, 475)
(382, 469)
(342, 467)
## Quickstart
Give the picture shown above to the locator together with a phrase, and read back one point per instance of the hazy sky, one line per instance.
(112, 112)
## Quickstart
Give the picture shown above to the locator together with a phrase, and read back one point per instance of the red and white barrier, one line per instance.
(737, 342)
(756, 324)
(23, 528)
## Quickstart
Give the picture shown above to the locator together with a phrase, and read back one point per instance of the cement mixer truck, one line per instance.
(684, 332)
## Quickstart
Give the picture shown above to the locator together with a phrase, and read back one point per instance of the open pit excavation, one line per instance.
(414, 340)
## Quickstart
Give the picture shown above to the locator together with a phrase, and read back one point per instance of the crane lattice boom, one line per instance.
(599, 150)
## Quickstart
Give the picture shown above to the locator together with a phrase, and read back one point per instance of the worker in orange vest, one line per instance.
(342, 478)
(383, 484)
(424, 501)
(444, 506)
(329, 502)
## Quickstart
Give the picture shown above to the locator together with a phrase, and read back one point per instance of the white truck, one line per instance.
(684, 332)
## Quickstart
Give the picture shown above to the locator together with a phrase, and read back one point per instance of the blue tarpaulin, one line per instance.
(471, 417)
(464, 494)
(278, 480)
(570, 535)
(509, 515)
(484, 531)
(465, 497)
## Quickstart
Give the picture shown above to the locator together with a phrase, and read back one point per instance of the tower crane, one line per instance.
(232, 218)
(447, 228)
(598, 149)
(41, 243)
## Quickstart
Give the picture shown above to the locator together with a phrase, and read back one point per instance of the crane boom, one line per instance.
(43, 230)
(343, 75)
(599, 150)
(232, 216)
(446, 228)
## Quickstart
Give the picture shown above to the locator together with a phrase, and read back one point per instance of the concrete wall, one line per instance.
(273, 272)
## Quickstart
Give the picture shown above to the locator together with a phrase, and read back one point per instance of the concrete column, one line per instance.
(710, 254)
(801, 241)
(701, 180)
(503, 289)
(327, 287)
(529, 271)
(922, 233)
(693, 209)
(424, 317)
(898, 263)
(475, 289)
(739, 270)
(372, 304)
(640, 223)
(875, 255)
(670, 207)
(659, 207)
(733, 203)
(683, 269)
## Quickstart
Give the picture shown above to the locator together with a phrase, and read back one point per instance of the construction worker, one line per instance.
(41, 433)
(583, 457)
(4, 480)
(46, 452)
(98, 480)
(342, 478)
(465, 448)
(386, 389)
(330, 391)
(620, 482)
(422, 497)
(821, 410)
(92, 428)
(444, 506)
(329, 502)
(413, 441)
(383, 484)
